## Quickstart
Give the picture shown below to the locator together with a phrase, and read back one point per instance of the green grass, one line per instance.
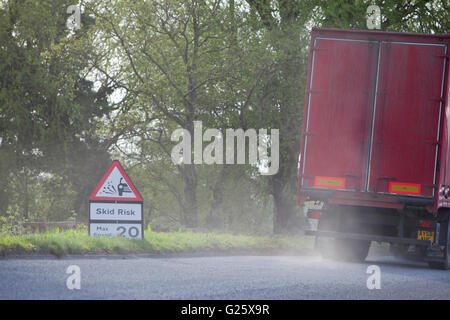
(79, 242)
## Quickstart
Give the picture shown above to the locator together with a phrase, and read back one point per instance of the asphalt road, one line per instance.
(221, 277)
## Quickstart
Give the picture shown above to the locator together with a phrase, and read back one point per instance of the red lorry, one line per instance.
(376, 142)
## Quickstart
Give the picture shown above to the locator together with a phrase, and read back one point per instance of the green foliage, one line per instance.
(78, 242)
(431, 16)
(136, 71)
(13, 224)
(48, 112)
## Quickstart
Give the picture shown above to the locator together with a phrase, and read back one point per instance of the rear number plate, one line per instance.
(425, 235)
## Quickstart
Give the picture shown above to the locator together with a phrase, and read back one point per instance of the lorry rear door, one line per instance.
(341, 93)
(404, 142)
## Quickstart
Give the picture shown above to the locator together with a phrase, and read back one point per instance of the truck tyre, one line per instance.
(326, 248)
(438, 265)
(351, 250)
(444, 263)
(398, 250)
(441, 265)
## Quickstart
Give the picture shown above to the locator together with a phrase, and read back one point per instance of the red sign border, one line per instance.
(116, 164)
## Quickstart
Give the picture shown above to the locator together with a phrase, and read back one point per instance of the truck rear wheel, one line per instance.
(438, 265)
(398, 250)
(444, 239)
(351, 250)
(441, 265)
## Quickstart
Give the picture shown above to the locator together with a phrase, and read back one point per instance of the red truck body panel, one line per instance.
(375, 129)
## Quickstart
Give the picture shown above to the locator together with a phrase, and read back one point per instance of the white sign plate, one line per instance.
(127, 230)
(115, 211)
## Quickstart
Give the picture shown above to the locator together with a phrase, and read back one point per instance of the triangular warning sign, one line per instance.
(116, 185)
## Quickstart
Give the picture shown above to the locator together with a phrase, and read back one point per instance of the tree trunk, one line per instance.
(290, 97)
(285, 210)
(284, 183)
(190, 196)
(215, 218)
(285, 204)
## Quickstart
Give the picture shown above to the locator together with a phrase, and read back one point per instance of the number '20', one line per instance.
(133, 232)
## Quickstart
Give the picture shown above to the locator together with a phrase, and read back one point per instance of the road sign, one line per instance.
(116, 185)
(123, 211)
(128, 230)
(116, 206)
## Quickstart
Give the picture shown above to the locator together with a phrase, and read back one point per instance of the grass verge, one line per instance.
(79, 242)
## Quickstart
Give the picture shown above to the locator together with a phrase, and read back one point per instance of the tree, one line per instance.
(177, 62)
(48, 108)
(284, 91)
(430, 16)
